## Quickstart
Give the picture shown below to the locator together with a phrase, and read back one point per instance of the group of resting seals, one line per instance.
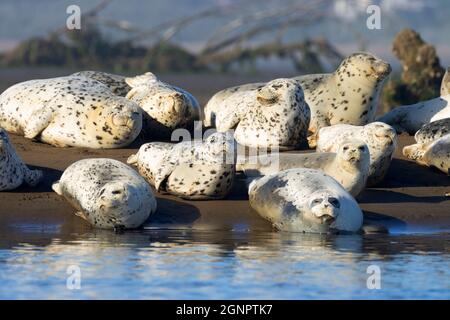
(87, 109)
(311, 192)
(348, 95)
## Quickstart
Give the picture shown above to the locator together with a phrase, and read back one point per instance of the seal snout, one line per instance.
(382, 68)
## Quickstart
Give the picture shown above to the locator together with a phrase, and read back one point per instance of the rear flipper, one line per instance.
(33, 177)
(415, 152)
(39, 120)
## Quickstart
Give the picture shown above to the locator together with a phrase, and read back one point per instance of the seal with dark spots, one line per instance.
(165, 106)
(13, 172)
(197, 170)
(433, 146)
(274, 115)
(107, 193)
(349, 165)
(349, 95)
(70, 111)
(411, 118)
(380, 138)
(305, 200)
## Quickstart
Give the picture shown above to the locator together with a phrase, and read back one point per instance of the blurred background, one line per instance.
(205, 45)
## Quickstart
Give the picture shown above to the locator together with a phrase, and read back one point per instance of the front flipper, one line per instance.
(39, 120)
(227, 121)
(319, 122)
(133, 159)
(33, 177)
(57, 188)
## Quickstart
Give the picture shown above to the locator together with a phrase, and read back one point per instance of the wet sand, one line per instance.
(411, 196)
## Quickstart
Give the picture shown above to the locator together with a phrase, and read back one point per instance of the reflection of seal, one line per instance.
(305, 200)
(348, 95)
(433, 145)
(379, 137)
(70, 111)
(166, 107)
(107, 193)
(191, 170)
(349, 166)
(273, 115)
(13, 172)
(411, 118)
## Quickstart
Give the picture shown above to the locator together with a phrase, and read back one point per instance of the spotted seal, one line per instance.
(348, 95)
(196, 170)
(305, 200)
(433, 145)
(349, 166)
(273, 115)
(166, 107)
(411, 118)
(70, 111)
(107, 193)
(116, 83)
(13, 172)
(379, 137)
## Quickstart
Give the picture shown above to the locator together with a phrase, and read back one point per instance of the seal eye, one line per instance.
(317, 201)
(345, 148)
(334, 202)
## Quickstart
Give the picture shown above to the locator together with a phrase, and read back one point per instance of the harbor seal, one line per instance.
(166, 107)
(116, 83)
(273, 115)
(305, 200)
(107, 193)
(348, 95)
(13, 172)
(196, 170)
(432, 154)
(433, 145)
(411, 118)
(349, 166)
(379, 137)
(70, 111)
(433, 131)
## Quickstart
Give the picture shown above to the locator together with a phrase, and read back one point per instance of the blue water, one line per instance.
(163, 264)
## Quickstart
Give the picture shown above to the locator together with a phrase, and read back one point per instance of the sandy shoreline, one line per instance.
(411, 196)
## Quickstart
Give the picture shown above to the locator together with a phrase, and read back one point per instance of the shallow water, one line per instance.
(183, 264)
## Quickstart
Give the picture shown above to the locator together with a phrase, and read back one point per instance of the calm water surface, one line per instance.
(161, 264)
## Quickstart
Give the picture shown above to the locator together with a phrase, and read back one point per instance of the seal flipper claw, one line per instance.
(81, 215)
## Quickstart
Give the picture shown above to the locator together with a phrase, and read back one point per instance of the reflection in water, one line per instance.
(158, 264)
